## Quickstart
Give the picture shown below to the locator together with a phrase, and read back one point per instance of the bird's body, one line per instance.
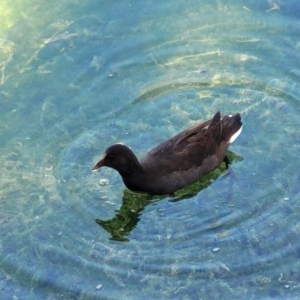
(178, 161)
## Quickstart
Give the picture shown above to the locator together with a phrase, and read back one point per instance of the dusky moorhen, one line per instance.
(178, 161)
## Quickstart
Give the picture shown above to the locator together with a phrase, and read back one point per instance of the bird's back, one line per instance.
(184, 158)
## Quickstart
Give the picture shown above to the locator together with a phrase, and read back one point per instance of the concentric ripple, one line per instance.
(138, 74)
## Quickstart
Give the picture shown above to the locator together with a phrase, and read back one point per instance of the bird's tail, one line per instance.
(232, 127)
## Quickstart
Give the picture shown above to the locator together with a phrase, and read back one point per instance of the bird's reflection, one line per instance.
(127, 217)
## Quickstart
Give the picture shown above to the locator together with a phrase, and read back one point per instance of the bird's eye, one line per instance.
(110, 157)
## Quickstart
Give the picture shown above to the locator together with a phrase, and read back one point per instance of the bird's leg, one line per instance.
(226, 161)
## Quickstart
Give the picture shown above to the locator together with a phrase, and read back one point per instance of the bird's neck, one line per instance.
(132, 168)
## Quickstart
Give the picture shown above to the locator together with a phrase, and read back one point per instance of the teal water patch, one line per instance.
(78, 77)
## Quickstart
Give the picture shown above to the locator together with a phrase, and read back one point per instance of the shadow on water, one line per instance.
(128, 216)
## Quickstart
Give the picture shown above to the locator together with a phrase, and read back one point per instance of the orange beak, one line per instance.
(99, 164)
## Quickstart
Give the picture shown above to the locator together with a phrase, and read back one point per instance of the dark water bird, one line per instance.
(178, 161)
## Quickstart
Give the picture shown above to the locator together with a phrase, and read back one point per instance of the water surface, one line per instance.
(78, 76)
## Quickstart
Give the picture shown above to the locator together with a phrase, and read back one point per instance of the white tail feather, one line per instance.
(233, 137)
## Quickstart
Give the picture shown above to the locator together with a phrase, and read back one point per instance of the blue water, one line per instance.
(78, 76)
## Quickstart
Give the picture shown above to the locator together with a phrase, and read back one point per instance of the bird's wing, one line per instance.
(187, 149)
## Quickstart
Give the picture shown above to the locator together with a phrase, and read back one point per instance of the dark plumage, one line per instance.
(178, 161)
